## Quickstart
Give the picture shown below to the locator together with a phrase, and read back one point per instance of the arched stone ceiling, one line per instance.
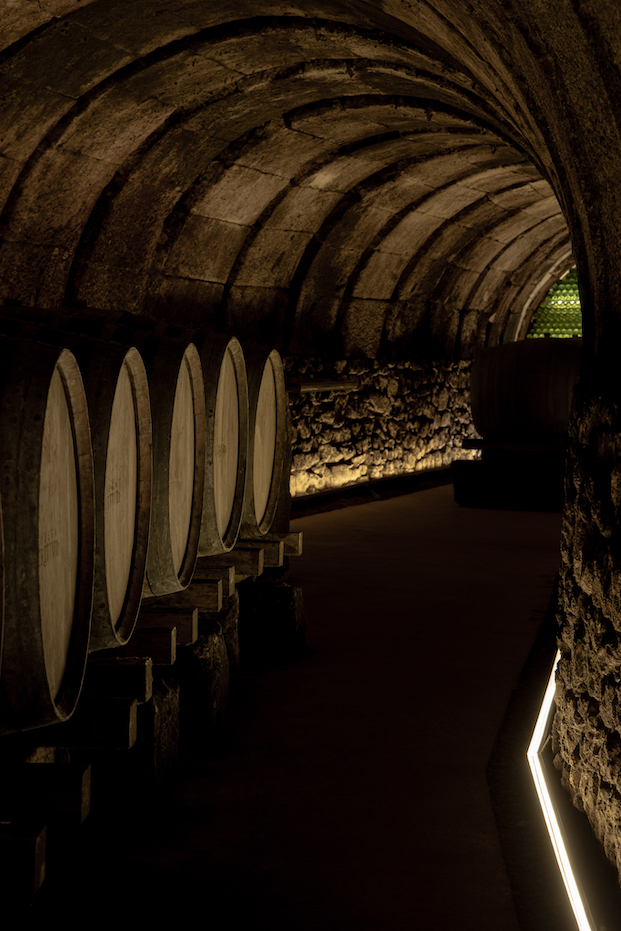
(342, 177)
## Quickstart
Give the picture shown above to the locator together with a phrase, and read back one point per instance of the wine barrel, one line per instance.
(117, 393)
(268, 447)
(120, 413)
(47, 490)
(176, 389)
(522, 390)
(226, 414)
(178, 404)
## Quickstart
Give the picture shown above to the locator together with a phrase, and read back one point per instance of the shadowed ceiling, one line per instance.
(330, 177)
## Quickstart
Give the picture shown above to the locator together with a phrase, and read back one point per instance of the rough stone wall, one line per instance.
(587, 724)
(403, 417)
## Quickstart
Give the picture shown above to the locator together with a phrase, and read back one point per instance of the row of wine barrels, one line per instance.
(248, 441)
(199, 502)
(246, 423)
(177, 402)
(238, 384)
(220, 424)
(522, 391)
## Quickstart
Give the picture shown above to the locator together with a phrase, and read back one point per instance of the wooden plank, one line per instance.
(23, 850)
(119, 676)
(207, 571)
(247, 561)
(185, 620)
(54, 793)
(273, 551)
(160, 643)
(304, 386)
(293, 541)
(98, 724)
(204, 594)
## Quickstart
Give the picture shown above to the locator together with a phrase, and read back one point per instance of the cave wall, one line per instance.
(401, 417)
(573, 48)
(587, 724)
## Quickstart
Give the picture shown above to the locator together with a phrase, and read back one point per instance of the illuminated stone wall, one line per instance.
(587, 726)
(403, 417)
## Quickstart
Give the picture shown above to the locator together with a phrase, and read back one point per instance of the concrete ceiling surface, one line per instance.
(346, 177)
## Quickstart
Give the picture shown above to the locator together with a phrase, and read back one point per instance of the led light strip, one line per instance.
(538, 741)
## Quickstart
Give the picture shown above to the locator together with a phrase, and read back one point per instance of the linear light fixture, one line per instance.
(534, 754)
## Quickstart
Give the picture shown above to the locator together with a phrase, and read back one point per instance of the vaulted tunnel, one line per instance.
(321, 184)
(376, 189)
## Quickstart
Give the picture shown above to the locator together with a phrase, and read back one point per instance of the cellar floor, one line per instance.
(349, 789)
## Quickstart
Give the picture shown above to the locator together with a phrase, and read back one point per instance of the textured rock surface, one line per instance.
(228, 619)
(403, 417)
(587, 724)
(157, 748)
(202, 670)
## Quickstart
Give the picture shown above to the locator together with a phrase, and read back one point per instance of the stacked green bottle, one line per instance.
(559, 314)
